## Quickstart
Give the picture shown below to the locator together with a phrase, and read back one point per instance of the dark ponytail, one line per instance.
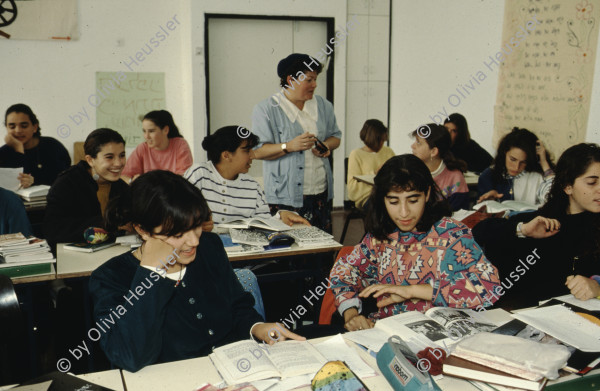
(162, 118)
(439, 138)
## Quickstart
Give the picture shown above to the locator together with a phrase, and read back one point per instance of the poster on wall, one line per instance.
(545, 82)
(38, 19)
(123, 98)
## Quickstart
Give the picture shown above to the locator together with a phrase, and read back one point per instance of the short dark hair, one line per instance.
(462, 129)
(98, 138)
(406, 173)
(162, 118)
(227, 138)
(526, 141)
(23, 108)
(159, 199)
(294, 64)
(440, 138)
(373, 134)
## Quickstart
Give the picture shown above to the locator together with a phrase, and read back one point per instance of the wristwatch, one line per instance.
(284, 148)
(519, 232)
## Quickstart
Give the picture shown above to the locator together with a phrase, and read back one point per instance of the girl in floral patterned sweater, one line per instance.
(413, 257)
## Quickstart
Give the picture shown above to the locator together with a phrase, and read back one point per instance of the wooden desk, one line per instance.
(36, 278)
(110, 379)
(71, 264)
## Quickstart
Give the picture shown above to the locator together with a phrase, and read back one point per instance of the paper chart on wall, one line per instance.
(545, 81)
(123, 98)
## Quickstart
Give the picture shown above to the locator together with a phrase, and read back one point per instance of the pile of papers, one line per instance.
(20, 256)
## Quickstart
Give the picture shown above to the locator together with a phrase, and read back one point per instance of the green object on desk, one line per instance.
(589, 382)
(26, 270)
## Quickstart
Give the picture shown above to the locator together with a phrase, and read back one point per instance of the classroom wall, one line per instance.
(436, 45)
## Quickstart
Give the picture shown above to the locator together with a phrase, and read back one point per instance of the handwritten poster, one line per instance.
(38, 19)
(125, 98)
(545, 84)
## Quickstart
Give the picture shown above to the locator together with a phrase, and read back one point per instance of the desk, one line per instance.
(110, 379)
(71, 264)
(470, 177)
(293, 250)
(36, 278)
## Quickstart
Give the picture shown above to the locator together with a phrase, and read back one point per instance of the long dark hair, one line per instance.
(440, 138)
(572, 164)
(23, 108)
(403, 173)
(162, 118)
(227, 138)
(159, 198)
(524, 140)
(462, 129)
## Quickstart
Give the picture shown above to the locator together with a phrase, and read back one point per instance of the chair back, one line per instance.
(9, 303)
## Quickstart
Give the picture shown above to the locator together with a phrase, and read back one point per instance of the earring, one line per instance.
(95, 176)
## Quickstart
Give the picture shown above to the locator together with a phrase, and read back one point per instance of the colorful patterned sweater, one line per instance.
(446, 257)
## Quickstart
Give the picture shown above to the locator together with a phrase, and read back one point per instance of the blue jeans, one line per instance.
(13, 218)
(250, 284)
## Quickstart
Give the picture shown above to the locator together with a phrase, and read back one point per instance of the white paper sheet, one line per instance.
(335, 348)
(9, 178)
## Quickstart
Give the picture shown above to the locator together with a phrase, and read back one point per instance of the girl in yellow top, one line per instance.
(367, 160)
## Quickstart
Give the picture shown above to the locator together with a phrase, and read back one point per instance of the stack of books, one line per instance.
(34, 195)
(23, 257)
(311, 237)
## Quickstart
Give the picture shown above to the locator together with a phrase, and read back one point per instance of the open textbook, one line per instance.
(270, 223)
(438, 327)
(247, 360)
(510, 205)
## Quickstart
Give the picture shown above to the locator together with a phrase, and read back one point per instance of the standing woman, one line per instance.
(522, 170)
(42, 158)
(78, 198)
(562, 238)
(414, 256)
(464, 147)
(434, 151)
(297, 176)
(187, 298)
(164, 149)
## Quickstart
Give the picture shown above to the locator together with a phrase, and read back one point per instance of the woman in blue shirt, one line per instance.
(297, 176)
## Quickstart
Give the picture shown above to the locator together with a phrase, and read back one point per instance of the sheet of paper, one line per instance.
(590, 305)
(9, 178)
(335, 348)
(372, 339)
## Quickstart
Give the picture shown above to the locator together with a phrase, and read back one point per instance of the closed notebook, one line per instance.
(87, 247)
(454, 366)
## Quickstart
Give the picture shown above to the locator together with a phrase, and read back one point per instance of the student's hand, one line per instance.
(274, 332)
(490, 195)
(540, 227)
(583, 288)
(14, 143)
(301, 143)
(126, 227)
(394, 293)
(291, 218)
(25, 180)
(155, 250)
(354, 321)
(540, 151)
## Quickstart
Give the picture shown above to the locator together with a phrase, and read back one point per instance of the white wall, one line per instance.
(435, 46)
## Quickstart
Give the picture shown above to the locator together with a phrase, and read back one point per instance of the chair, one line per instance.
(328, 304)
(10, 320)
(355, 213)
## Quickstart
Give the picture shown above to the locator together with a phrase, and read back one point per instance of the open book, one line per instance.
(510, 205)
(247, 360)
(438, 327)
(271, 224)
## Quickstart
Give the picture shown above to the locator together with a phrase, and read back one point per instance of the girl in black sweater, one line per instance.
(563, 236)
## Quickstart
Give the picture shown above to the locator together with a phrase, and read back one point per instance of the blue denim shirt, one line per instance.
(284, 177)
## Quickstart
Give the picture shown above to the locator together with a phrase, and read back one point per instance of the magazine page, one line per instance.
(414, 326)
(460, 323)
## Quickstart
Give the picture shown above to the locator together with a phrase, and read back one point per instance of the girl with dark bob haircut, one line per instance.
(42, 158)
(367, 160)
(432, 146)
(78, 198)
(522, 170)
(232, 194)
(463, 146)
(564, 236)
(164, 148)
(175, 297)
(412, 250)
